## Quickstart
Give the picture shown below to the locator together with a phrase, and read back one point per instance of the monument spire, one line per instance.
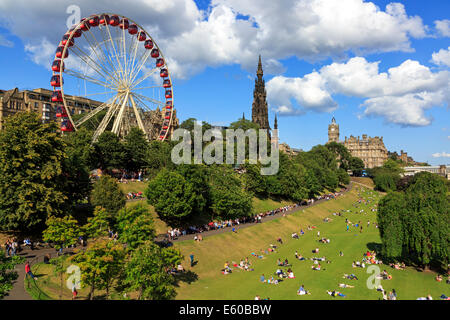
(259, 106)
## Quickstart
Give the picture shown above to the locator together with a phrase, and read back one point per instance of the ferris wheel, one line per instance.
(110, 59)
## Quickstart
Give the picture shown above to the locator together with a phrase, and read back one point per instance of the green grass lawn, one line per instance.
(214, 251)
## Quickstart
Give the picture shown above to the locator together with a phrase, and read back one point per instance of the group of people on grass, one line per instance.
(172, 234)
(135, 195)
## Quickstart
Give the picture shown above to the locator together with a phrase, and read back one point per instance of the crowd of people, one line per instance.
(135, 195)
(174, 233)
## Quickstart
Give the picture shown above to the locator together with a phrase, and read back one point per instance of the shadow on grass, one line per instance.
(372, 246)
(187, 276)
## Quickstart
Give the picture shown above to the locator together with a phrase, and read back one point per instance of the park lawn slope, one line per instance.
(214, 251)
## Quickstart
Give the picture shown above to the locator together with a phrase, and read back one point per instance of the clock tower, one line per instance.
(333, 131)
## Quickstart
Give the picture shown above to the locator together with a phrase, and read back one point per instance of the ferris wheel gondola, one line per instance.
(114, 61)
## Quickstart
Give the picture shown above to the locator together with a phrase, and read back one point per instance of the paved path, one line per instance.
(249, 224)
(18, 291)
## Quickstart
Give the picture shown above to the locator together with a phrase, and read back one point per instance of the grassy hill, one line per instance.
(214, 251)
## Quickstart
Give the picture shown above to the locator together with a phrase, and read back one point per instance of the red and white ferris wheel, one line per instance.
(111, 59)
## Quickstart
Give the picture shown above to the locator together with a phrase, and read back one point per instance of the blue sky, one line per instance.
(371, 65)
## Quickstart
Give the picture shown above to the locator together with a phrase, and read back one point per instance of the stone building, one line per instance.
(39, 101)
(370, 150)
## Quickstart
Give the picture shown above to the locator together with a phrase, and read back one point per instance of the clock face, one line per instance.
(332, 129)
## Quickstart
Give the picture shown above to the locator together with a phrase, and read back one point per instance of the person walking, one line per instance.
(28, 271)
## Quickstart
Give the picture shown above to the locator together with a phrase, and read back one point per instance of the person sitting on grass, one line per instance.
(291, 275)
(295, 235)
(335, 293)
(262, 278)
(302, 291)
(351, 276)
(343, 285)
(317, 268)
(438, 278)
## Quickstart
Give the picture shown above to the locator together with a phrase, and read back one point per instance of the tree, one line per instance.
(135, 226)
(253, 181)
(107, 194)
(99, 225)
(100, 264)
(146, 272)
(62, 231)
(343, 176)
(391, 214)
(342, 154)
(110, 152)
(228, 198)
(356, 165)
(172, 196)
(385, 181)
(136, 146)
(32, 174)
(7, 273)
(159, 155)
(414, 224)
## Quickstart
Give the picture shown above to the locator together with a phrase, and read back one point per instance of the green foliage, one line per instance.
(110, 152)
(385, 181)
(418, 219)
(136, 147)
(253, 181)
(7, 273)
(99, 225)
(343, 176)
(356, 165)
(32, 175)
(146, 272)
(173, 197)
(100, 265)
(135, 226)
(107, 194)
(62, 231)
(228, 198)
(342, 154)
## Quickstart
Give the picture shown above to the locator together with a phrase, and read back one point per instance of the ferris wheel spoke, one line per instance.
(114, 50)
(154, 101)
(144, 76)
(89, 79)
(97, 94)
(107, 118)
(104, 74)
(108, 48)
(138, 116)
(139, 65)
(134, 45)
(94, 112)
(119, 117)
(149, 87)
(106, 63)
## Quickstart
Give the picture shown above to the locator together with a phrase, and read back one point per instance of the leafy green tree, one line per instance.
(342, 154)
(198, 176)
(110, 152)
(343, 176)
(146, 272)
(59, 270)
(135, 226)
(173, 197)
(253, 181)
(62, 231)
(7, 273)
(228, 198)
(385, 181)
(159, 155)
(107, 194)
(98, 225)
(101, 264)
(391, 214)
(136, 146)
(32, 175)
(414, 224)
(356, 165)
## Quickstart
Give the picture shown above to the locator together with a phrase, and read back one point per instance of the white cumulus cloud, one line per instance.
(443, 26)
(441, 155)
(401, 95)
(442, 57)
